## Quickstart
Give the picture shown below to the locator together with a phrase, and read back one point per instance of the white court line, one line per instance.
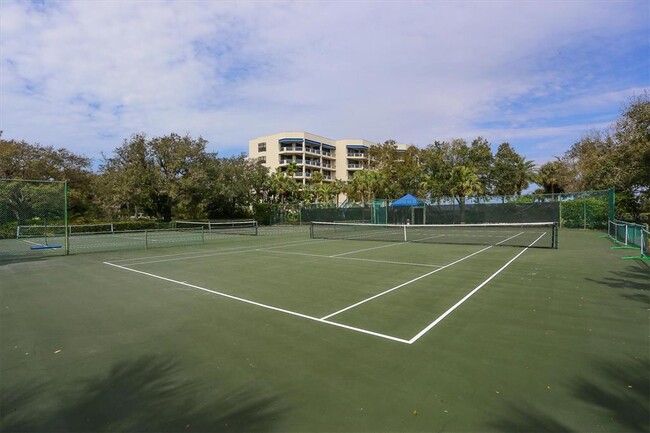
(359, 259)
(367, 249)
(428, 237)
(30, 242)
(179, 255)
(329, 322)
(213, 253)
(270, 307)
(466, 297)
(413, 280)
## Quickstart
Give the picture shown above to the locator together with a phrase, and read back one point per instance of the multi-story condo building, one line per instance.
(335, 159)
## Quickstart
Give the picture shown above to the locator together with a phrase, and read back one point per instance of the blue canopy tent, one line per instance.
(407, 200)
(408, 210)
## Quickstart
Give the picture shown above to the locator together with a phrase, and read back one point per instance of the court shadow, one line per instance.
(149, 394)
(624, 392)
(525, 418)
(11, 260)
(635, 276)
(621, 391)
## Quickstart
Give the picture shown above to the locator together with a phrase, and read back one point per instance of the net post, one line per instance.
(202, 235)
(311, 230)
(404, 227)
(555, 235)
(66, 237)
(146, 240)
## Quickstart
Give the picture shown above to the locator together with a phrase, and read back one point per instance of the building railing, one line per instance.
(291, 149)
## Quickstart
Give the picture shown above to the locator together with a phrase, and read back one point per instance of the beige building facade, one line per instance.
(335, 159)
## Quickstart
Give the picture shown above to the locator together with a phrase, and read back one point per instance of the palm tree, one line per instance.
(549, 176)
(524, 173)
(282, 185)
(464, 182)
(365, 184)
(339, 187)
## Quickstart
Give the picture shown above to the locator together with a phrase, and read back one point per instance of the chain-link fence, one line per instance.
(586, 210)
(33, 218)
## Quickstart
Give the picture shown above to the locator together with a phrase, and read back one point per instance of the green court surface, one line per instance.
(279, 332)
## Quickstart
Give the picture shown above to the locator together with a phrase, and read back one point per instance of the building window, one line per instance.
(261, 147)
(262, 159)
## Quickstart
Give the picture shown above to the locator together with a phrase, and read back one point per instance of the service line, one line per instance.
(414, 279)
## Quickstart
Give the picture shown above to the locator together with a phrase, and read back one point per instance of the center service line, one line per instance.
(414, 279)
(466, 297)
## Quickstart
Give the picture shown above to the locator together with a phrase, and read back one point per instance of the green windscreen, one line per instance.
(38, 209)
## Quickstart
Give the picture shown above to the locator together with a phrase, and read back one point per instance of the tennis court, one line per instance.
(333, 332)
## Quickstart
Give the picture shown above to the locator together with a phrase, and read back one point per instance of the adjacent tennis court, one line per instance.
(331, 328)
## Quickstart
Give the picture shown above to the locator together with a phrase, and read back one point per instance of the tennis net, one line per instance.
(540, 235)
(32, 231)
(227, 228)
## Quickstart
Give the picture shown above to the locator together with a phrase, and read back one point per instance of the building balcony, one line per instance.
(355, 166)
(291, 149)
(284, 161)
(357, 155)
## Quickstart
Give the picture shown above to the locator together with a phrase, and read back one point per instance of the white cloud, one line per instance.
(85, 75)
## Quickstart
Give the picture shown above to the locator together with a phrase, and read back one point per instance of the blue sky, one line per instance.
(85, 75)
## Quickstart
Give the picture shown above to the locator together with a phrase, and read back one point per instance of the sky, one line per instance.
(87, 75)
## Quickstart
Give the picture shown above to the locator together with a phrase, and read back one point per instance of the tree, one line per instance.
(234, 185)
(436, 167)
(320, 191)
(525, 173)
(441, 158)
(282, 187)
(400, 171)
(552, 176)
(22, 160)
(618, 157)
(506, 162)
(480, 158)
(364, 185)
(339, 187)
(163, 177)
(464, 182)
(632, 135)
